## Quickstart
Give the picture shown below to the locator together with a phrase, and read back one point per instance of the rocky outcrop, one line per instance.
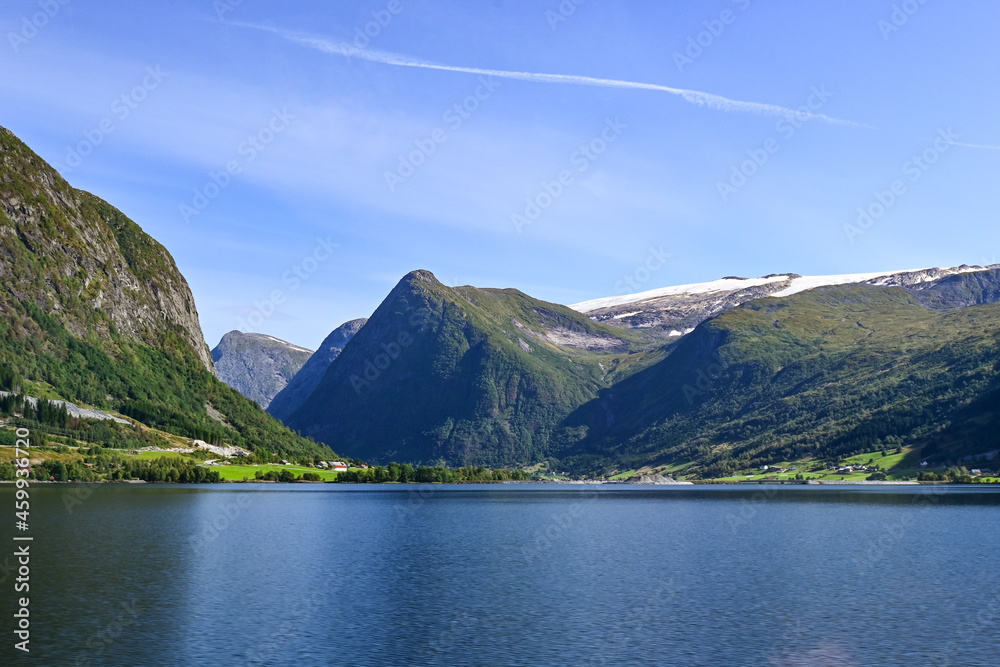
(256, 365)
(75, 411)
(658, 480)
(71, 254)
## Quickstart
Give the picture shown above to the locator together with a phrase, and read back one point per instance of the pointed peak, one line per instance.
(419, 276)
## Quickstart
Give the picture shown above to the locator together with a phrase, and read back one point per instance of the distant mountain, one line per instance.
(827, 372)
(823, 367)
(97, 313)
(256, 365)
(674, 311)
(302, 384)
(463, 375)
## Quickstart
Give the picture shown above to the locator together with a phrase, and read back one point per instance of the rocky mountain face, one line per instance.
(674, 311)
(97, 313)
(462, 375)
(73, 254)
(256, 365)
(302, 383)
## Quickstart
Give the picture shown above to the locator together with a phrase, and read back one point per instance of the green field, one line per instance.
(238, 473)
(159, 455)
(818, 471)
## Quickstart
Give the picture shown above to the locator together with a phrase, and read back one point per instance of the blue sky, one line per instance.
(293, 129)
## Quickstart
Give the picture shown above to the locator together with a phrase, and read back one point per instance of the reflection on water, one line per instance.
(513, 575)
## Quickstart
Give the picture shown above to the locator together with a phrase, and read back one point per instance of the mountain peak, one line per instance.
(419, 277)
(257, 365)
(303, 382)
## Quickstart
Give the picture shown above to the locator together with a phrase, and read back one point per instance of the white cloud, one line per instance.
(696, 97)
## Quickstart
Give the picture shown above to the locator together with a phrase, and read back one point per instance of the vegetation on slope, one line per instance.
(463, 376)
(96, 310)
(823, 374)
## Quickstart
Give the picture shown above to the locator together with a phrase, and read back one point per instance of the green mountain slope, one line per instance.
(824, 373)
(464, 376)
(305, 380)
(96, 312)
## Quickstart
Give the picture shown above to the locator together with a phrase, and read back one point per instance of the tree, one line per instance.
(58, 470)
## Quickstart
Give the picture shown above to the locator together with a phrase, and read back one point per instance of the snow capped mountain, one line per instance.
(724, 285)
(678, 309)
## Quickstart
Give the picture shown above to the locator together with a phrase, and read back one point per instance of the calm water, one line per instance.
(511, 575)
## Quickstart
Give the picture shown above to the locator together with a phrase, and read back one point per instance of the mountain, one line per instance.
(823, 366)
(97, 313)
(674, 311)
(256, 365)
(77, 254)
(464, 376)
(823, 373)
(302, 384)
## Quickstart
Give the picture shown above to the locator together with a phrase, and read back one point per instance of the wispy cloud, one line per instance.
(699, 98)
(979, 146)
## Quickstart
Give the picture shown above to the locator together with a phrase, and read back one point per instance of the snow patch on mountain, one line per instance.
(723, 285)
(797, 284)
(812, 282)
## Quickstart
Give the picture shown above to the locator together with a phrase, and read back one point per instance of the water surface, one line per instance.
(512, 575)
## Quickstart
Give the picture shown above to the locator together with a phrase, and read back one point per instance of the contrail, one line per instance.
(985, 148)
(693, 96)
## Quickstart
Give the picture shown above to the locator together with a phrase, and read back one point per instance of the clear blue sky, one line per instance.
(354, 112)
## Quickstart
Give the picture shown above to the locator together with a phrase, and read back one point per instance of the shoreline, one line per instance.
(35, 482)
